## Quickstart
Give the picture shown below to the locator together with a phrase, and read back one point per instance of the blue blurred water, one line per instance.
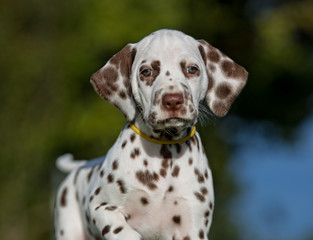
(276, 180)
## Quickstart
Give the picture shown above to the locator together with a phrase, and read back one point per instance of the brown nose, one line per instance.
(172, 101)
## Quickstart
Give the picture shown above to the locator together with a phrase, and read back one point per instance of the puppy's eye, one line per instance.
(192, 69)
(146, 72)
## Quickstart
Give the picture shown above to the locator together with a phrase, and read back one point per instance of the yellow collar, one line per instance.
(151, 139)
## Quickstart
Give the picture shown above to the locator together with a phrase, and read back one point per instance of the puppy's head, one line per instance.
(165, 76)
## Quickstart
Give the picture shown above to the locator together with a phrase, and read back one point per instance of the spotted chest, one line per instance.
(155, 186)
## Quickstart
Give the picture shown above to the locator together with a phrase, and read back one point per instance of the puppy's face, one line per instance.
(169, 80)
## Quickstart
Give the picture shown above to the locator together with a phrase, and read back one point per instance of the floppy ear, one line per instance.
(112, 81)
(226, 79)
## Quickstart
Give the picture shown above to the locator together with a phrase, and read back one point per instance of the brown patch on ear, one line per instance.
(123, 60)
(223, 90)
(112, 81)
(225, 79)
(104, 82)
(214, 56)
(233, 70)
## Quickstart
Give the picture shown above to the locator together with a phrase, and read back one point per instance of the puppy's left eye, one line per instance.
(146, 72)
(192, 69)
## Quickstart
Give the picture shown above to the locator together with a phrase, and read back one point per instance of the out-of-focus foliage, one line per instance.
(50, 49)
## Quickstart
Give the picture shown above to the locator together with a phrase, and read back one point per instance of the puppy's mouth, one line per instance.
(168, 124)
(173, 122)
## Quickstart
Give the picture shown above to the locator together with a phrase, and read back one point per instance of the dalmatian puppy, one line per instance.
(155, 181)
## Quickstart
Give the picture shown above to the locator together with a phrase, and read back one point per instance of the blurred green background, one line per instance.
(49, 49)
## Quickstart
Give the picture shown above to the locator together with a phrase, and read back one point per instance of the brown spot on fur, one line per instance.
(117, 230)
(148, 179)
(135, 153)
(183, 67)
(102, 204)
(111, 208)
(163, 172)
(186, 238)
(124, 143)
(201, 234)
(122, 94)
(211, 205)
(170, 189)
(132, 137)
(102, 173)
(223, 90)
(190, 161)
(97, 191)
(233, 70)
(199, 176)
(115, 165)
(121, 186)
(106, 229)
(214, 55)
(175, 171)
(176, 219)
(63, 201)
(165, 163)
(145, 162)
(200, 197)
(200, 179)
(204, 191)
(144, 201)
(167, 73)
(90, 174)
(156, 67)
(110, 178)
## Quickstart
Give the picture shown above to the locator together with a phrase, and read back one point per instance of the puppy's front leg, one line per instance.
(111, 223)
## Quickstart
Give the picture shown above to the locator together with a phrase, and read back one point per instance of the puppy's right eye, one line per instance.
(146, 72)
